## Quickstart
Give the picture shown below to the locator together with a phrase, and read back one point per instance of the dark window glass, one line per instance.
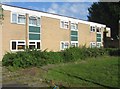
(13, 45)
(31, 46)
(21, 47)
(38, 45)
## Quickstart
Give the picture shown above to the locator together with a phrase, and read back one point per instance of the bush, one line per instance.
(37, 58)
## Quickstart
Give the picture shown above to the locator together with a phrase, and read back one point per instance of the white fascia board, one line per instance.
(107, 28)
(39, 14)
(96, 24)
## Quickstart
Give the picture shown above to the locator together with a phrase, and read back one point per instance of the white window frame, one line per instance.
(17, 43)
(37, 19)
(75, 25)
(98, 28)
(74, 42)
(92, 44)
(24, 17)
(64, 24)
(64, 42)
(98, 43)
(99, 37)
(17, 18)
(35, 43)
(91, 28)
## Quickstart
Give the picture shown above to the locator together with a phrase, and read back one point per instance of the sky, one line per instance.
(72, 9)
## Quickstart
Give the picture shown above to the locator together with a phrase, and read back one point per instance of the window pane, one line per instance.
(74, 33)
(74, 38)
(98, 45)
(62, 45)
(98, 39)
(38, 21)
(34, 36)
(38, 45)
(13, 45)
(21, 47)
(21, 19)
(32, 21)
(98, 35)
(34, 29)
(31, 46)
(74, 26)
(14, 18)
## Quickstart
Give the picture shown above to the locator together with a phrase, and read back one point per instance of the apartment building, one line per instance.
(23, 28)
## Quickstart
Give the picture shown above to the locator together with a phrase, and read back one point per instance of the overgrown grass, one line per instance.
(100, 71)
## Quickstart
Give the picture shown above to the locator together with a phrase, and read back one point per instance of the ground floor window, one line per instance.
(74, 44)
(64, 45)
(17, 45)
(34, 44)
(98, 44)
(92, 44)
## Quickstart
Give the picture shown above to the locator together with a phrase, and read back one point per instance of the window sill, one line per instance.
(18, 23)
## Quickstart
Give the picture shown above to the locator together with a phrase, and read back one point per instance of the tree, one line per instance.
(107, 13)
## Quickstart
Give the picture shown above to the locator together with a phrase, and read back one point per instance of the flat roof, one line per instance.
(42, 13)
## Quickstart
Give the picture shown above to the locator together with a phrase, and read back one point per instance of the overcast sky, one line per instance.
(73, 9)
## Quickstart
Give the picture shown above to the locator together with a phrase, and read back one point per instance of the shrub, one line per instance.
(37, 58)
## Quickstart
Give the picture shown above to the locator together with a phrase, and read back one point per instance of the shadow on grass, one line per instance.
(105, 86)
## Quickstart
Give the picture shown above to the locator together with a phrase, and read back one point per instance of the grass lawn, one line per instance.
(92, 72)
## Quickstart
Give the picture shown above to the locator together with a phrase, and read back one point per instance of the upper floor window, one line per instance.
(21, 18)
(14, 18)
(34, 21)
(64, 24)
(98, 29)
(18, 18)
(92, 29)
(74, 26)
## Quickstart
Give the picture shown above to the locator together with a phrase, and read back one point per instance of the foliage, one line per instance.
(106, 13)
(39, 58)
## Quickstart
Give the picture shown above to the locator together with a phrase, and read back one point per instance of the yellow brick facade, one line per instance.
(51, 33)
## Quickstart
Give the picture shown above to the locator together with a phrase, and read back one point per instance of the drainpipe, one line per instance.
(27, 30)
(119, 33)
(1, 28)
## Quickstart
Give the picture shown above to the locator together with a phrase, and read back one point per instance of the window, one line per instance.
(98, 45)
(74, 26)
(98, 29)
(33, 36)
(64, 45)
(14, 45)
(64, 24)
(74, 35)
(92, 29)
(34, 44)
(17, 45)
(18, 18)
(74, 44)
(21, 18)
(34, 21)
(14, 18)
(34, 33)
(92, 44)
(98, 37)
